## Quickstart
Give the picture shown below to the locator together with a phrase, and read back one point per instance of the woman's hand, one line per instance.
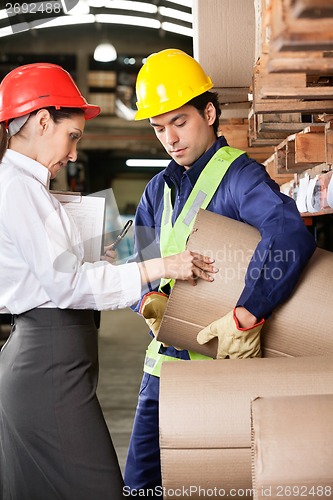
(189, 266)
(109, 254)
(186, 265)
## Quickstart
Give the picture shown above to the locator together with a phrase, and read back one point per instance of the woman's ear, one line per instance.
(210, 113)
(42, 122)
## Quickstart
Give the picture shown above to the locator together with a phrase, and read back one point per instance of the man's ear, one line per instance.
(42, 121)
(210, 113)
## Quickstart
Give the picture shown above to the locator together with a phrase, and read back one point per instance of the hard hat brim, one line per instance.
(170, 105)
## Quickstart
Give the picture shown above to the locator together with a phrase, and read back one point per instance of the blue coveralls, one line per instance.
(246, 194)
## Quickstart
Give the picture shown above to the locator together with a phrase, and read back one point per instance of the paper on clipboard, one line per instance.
(88, 214)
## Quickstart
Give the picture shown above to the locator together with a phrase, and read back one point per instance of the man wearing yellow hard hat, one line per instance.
(174, 93)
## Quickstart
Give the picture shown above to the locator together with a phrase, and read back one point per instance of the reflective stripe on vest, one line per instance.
(154, 359)
(173, 238)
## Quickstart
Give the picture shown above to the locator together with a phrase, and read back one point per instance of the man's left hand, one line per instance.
(233, 340)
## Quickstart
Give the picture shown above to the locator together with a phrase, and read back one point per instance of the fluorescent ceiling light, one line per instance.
(80, 15)
(8, 30)
(96, 3)
(176, 14)
(81, 8)
(63, 21)
(176, 28)
(59, 21)
(147, 163)
(18, 28)
(129, 20)
(3, 14)
(130, 5)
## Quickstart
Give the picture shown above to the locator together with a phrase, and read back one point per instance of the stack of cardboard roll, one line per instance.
(249, 427)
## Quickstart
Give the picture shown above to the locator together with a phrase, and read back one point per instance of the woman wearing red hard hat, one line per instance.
(54, 442)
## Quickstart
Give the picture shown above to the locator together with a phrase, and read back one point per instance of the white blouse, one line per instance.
(41, 253)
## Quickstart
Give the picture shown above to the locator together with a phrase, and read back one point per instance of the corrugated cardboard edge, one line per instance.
(253, 453)
(195, 397)
(291, 444)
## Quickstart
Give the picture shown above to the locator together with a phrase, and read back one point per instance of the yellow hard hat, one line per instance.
(168, 80)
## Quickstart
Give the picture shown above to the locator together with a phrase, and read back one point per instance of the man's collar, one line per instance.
(174, 172)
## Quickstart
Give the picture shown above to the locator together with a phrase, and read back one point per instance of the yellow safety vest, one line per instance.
(173, 238)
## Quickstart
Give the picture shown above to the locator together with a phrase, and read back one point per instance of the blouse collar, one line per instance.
(30, 167)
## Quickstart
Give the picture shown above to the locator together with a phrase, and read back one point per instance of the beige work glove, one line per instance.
(152, 309)
(233, 342)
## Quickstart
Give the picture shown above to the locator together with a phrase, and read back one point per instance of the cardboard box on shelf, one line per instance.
(106, 101)
(302, 326)
(292, 446)
(205, 417)
(103, 79)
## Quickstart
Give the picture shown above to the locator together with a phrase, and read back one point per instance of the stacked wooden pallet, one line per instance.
(292, 88)
(293, 77)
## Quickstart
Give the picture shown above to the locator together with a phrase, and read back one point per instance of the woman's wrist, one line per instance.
(151, 270)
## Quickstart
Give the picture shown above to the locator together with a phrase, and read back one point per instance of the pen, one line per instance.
(122, 234)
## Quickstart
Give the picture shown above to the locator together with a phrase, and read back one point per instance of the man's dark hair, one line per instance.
(200, 102)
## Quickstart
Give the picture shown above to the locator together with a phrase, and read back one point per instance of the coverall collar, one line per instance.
(174, 172)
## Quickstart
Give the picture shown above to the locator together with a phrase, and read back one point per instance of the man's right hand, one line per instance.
(152, 308)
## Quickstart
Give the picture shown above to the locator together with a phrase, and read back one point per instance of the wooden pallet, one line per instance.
(289, 93)
(296, 26)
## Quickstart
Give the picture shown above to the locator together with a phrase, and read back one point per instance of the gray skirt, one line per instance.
(54, 442)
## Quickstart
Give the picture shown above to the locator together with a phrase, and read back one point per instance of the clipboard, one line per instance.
(88, 213)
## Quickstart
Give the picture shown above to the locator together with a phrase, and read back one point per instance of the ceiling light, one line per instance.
(3, 14)
(8, 30)
(96, 3)
(176, 14)
(81, 8)
(62, 21)
(176, 28)
(129, 20)
(130, 5)
(105, 52)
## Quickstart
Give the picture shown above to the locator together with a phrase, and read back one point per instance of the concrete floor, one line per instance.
(123, 338)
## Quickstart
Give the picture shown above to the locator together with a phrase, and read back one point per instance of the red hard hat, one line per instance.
(40, 85)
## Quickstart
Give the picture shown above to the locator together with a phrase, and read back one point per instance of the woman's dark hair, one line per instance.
(61, 114)
(200, 102)
(56, 114)
(3, 139)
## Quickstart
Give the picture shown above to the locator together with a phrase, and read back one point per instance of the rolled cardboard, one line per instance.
(292, 446)
(205, 416)
(302, 326)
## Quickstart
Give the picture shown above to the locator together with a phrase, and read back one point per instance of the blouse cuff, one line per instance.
(130, 280)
